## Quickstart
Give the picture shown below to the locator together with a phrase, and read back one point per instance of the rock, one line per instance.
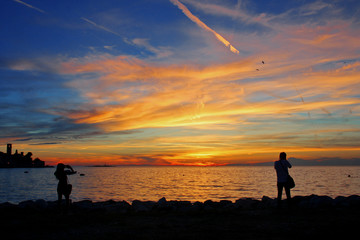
(163, 204)
(105, 204)
(29, 204)
(267, 202)
(246, 203)
(265, 199)
(209, 205)
(301, 201)
(112, 206)
(184, 206)
(41, 204)
(225, 203)
(123, 207)
(351, 201)
(52, 205)
(84, 204)
(180, 206)
(222, 206)
(139, 206)
(320, 201)
(341, 201)
(354, 201)
(162, 201)
(197, 206)
(7, 205)
(313, 201)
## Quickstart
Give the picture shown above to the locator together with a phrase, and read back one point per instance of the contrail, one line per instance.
(201, 24)
(302, 99)
(100, 27)
(30, 6)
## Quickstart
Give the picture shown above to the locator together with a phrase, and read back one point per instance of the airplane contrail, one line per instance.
(302, 99)
(30, 6)
(201, 24)
(99, 26)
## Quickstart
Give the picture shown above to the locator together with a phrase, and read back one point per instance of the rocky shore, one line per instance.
(308, 216)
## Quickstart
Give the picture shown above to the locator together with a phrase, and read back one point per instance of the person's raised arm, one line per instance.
(71, 170)
(288, 163)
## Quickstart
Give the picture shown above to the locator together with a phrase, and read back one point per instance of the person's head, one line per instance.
(60, 167)
(282, 156)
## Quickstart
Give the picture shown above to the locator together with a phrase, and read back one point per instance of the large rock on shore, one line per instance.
(145, 206)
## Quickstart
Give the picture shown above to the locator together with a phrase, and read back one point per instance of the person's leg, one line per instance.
(59, 196)
(279, 188)
(288, 195)
(67, 197)
(59, 199)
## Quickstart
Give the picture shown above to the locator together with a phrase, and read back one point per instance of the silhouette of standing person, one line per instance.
(281, 166)
(63, 187)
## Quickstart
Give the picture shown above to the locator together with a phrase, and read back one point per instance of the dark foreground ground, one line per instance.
(310, 217)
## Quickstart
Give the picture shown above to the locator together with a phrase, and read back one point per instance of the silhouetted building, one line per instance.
(38, 163)
(3, 160)
(17, 160)
(9, 149)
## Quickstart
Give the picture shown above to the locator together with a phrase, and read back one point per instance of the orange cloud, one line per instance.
(134, 94)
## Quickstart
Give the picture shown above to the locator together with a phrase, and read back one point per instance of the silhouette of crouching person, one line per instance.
(281, 166)
(63, 187)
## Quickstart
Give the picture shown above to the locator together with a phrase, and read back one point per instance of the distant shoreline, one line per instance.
(104, 165)
(47, 166)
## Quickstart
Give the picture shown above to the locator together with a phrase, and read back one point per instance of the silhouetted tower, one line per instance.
(9, 149)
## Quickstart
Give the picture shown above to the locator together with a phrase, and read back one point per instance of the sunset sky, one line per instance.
(180, 82)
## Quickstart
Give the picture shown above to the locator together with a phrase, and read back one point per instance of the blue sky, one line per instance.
(180, 82)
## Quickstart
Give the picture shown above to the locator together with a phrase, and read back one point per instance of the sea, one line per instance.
(185, 183)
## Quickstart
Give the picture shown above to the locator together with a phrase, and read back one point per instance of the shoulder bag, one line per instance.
(290, 183)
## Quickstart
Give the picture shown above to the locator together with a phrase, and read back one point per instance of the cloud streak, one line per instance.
(100, 26)
(201, 24)
(29, 6)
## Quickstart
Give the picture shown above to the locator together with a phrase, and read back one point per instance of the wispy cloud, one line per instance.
(237, 12)
(100, 26)
(201, 24)
(30, 6)
(160, 52)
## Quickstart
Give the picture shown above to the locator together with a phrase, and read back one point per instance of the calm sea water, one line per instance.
(175, 183)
